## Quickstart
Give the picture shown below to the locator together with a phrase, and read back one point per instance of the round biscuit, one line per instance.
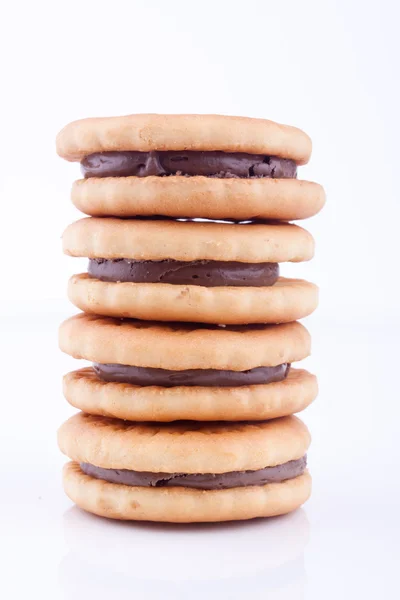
(285, 301)
(147, 132)
(85, 391)
(187, 241)
(205, 197)
(181, 346)
(183, 446)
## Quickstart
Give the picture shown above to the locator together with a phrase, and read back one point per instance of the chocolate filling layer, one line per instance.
(209, 164)
(208, 273)
(200, 481)
(144, 376)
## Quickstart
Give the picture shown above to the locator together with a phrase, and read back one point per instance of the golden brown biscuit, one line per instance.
(177, 346)
(191, 197)
(84, 390)
(286, 301)
(184, 446)
(146, 132)
(187, 241)
(183, 505)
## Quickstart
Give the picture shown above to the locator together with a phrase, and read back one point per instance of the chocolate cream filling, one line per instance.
(208, 164)
(200, 481)
(145, 376)
(208, 273)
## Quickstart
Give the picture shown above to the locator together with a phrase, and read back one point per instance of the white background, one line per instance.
(330, 68)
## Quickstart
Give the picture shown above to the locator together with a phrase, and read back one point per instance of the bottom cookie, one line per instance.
(183, 505)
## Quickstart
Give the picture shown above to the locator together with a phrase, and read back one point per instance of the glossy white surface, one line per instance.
(342, 544)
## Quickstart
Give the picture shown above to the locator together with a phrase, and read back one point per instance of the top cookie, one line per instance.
(148, 132)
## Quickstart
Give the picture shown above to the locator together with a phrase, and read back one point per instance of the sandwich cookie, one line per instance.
(208, 166)
(185, 472)
(190, 271)
(147, 371)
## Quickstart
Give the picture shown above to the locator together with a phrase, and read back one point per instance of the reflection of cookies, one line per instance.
(210, 198)
(84, 390)
(147, 132)
(252, 549)
(286, 581)
(180, 346)
(187, 241)
(238, 450)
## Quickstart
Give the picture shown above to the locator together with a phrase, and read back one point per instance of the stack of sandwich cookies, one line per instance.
(187, 320)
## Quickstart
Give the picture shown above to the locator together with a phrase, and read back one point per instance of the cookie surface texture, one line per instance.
(85, 391)
(180, 346)
(191, 197)
(147, 132)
